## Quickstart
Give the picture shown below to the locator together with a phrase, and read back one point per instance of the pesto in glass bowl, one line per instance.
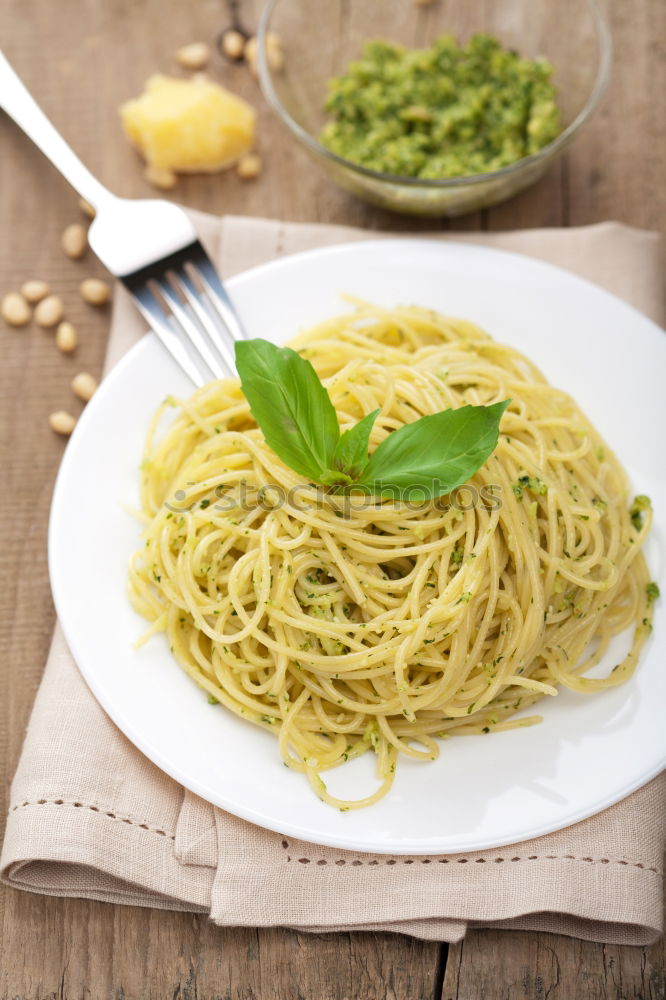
(322, 38)
(446, 111)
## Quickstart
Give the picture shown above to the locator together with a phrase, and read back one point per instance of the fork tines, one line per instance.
(185, 303)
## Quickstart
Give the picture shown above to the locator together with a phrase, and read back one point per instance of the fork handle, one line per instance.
(20, 105)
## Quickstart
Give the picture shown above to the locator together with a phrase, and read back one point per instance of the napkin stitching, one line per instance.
(131, 821)
(478, 861)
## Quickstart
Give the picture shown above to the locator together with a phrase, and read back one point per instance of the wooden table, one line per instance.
(80, 60)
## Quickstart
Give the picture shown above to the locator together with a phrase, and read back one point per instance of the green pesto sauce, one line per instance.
(446, 111)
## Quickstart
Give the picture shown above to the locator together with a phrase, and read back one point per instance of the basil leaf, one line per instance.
(421, 460)
(434, 454)
(290, 405)
(351, 451)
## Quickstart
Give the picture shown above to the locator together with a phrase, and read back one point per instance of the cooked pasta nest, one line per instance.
(354, 625)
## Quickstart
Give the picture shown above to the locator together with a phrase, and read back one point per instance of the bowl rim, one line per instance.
(600, 83)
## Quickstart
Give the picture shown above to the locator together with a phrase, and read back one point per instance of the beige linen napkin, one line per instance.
(90, 816)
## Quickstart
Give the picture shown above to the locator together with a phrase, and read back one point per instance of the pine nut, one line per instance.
(193, 56)
(14, 309)
(274, 53)
(233, 44)
(95, 291)
(66, 338)
(87, 208)
(84, 385)
(249, 166)
(62, 422)
(160, 178)
(74, 241)
(49, 311)
(34, 291)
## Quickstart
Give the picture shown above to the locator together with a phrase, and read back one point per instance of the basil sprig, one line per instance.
(432, 455)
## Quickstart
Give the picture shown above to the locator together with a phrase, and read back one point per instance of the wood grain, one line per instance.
(81, 59)
(514, 965)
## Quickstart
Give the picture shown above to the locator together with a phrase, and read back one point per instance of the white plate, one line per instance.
(484, 790)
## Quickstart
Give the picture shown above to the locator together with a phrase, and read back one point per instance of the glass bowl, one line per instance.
(321, 38)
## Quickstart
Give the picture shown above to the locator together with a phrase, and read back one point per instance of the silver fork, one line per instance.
(150, 245)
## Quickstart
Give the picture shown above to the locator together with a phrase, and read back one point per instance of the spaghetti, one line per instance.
(348, 625)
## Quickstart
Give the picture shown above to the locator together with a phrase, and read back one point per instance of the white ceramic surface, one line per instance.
(484, 790)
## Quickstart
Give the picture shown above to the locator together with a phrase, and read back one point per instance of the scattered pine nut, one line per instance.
(62, 422)
(95, 291)
(160, 178)
(87, 208)
(49, 311)
(249, 166)
(84, 385)
(34, 291)
(193, 56)
(274, 53)
(74, 241)
(14, 309)
(233, 44)
(66, 338)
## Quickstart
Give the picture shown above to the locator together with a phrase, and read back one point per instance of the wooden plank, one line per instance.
(515, 965)
(74, 949)
(361, 966)
(618, 163)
